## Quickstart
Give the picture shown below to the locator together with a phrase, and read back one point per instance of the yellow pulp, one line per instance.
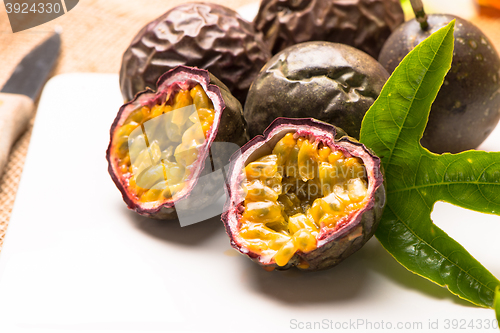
(157, 146)
(300, 188)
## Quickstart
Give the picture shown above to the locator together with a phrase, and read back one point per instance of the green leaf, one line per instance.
(497, 304)
(416, 178)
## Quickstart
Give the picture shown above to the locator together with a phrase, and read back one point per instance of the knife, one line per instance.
(21, 90)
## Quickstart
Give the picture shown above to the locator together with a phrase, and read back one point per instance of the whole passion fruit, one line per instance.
(364, 24)
(467, 108)
(298, 197)
(202, 35)
(161, 154)
(331, 82)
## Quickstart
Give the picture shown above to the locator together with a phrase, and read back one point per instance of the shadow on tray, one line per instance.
(171, 230)
(349, 280)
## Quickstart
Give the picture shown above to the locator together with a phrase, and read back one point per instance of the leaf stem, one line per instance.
(420, 15)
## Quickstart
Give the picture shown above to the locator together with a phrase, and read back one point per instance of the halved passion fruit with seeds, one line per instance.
(160, 150)
(299, 197)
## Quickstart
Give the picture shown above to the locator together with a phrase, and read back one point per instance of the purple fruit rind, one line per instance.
(334, 245)
(364, 24)
(181, 77)
(197, 34)
(331, 82)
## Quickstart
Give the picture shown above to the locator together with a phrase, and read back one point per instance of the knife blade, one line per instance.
(30, 74)
(21, 89)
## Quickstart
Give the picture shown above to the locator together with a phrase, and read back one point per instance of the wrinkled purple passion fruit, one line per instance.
(298, 197)
(161, 142)
(202, 35)
(364, 24)
(467, 108)
(332, 82)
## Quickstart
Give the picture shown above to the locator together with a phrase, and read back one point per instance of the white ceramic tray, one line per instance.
(76, 260)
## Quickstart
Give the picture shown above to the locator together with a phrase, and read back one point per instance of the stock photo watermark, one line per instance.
(26, 14)
(367, 324)
(164, 152)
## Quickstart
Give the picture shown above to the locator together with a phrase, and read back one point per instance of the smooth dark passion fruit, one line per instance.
(299, 197)
(161, 150)
(364, 24)
(202, 35)
(332, 82)
(467, 108)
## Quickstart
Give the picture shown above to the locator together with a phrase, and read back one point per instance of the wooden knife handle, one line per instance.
(15, 113)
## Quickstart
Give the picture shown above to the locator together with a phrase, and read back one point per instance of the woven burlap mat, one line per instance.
(95, 34)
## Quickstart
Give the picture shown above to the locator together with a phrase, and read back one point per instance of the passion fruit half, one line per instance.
(160, 154)
(299, 197)
(203, 35)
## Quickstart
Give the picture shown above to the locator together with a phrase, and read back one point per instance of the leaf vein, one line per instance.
(389, 158)
(444, 183)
